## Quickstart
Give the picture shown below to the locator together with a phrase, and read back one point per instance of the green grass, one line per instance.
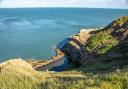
(112, 80)
(103, 39)
(17, 81)
(121, 21)
(97, 39)
(94, 75)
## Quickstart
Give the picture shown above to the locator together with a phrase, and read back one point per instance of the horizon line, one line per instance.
(62, 7)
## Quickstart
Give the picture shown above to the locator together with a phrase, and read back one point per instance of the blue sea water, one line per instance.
(33, 33)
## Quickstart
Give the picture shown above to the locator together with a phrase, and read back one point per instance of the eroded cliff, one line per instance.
(97, 43)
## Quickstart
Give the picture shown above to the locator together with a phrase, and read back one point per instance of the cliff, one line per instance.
(98, 43)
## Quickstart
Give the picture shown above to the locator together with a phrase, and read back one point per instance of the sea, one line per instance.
(33, 33)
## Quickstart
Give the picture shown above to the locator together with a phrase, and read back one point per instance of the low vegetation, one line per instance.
(93, 75)
(102, 39)
(121, 21)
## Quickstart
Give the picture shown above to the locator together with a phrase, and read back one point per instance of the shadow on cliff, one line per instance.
(106, 55)
(113, 59)
(73, 49)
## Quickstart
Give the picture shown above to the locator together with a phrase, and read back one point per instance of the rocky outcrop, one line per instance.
(88, 43)
(73, 47)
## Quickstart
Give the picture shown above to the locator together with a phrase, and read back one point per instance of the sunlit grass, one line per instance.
(85, 77)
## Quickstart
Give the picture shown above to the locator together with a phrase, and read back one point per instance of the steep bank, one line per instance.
(98, 44)
(73, 47)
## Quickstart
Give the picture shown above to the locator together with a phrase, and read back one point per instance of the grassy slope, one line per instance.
(90, 76)
(103, 72)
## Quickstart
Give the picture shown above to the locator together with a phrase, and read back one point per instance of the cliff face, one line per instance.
(73, 47)
(98, 44)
